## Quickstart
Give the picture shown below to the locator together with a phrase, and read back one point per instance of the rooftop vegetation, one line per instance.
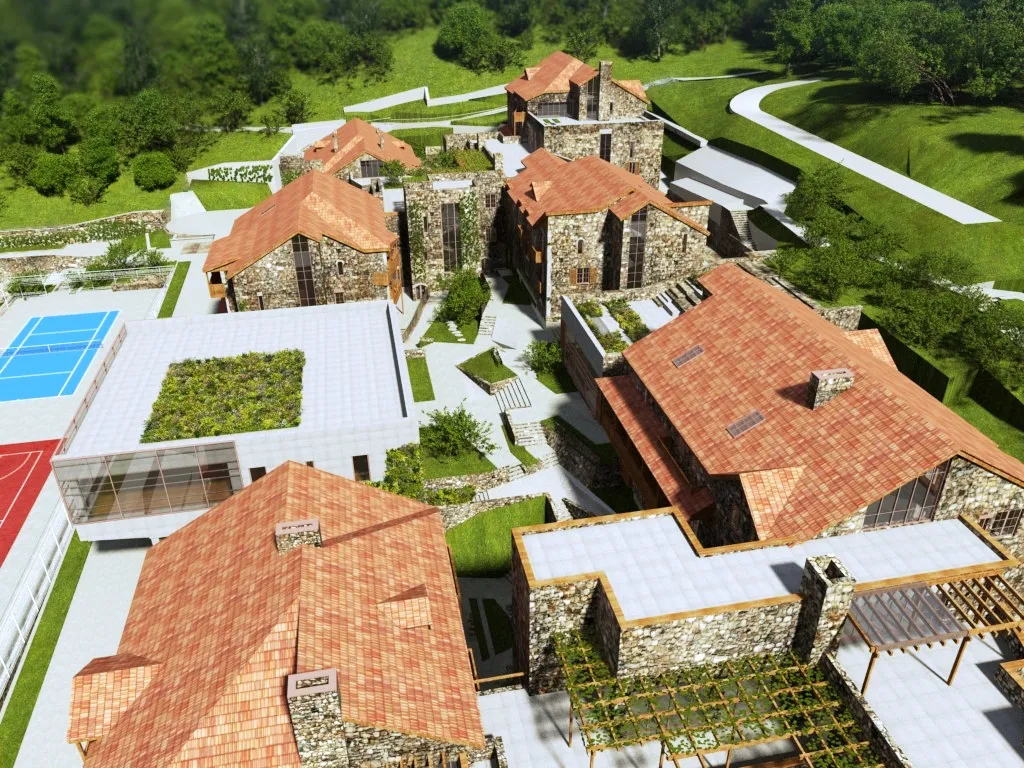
(482, 546)
(228, 396)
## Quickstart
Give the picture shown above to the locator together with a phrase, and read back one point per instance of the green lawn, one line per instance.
(618, 497)
(558, 381)
(174, 289)
(419, 138)
(604, 451)
(485, 367)
(482, 546)
(500, 625)
(229, 195)
(240, 146)
(516, 293)
(419, 376)
(27, 208)
(438, 331)
(159, 239)
(525, 458)
(470, 463)
(418, 110)
(23, 696)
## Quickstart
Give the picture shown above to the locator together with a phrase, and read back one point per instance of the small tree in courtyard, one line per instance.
(455, 432)
(466, 298)
(393, 171)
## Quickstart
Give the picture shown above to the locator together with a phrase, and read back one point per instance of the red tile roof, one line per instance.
(553, 186)
(552, 75)
(804, 469)
(633, 87)
(356, 138)
(871, 340)
(315, 205)
(228, 619)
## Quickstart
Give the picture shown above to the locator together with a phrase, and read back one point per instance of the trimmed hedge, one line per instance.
(228, 396)
(253, 174)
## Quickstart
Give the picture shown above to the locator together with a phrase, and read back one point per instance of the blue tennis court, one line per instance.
(50, 355)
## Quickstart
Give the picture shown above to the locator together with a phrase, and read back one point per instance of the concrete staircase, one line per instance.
(527, 433)
(741, 221)
(685, 295)
(487, 325)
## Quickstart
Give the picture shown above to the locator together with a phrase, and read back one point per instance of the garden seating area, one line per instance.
(715, 708)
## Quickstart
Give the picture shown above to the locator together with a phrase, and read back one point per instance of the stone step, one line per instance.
(482, 495)
(528, 433)
(513, 396)
(666, 302)
(487, 325)
(560, 511)
(742, 223)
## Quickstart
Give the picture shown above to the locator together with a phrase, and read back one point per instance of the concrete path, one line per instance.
(185, 204)
(666, 80)
(423, 93)
(989, 289)
(216, 223)
(748, 105)
(93, 628)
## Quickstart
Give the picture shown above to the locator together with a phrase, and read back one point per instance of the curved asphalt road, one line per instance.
(748, 105)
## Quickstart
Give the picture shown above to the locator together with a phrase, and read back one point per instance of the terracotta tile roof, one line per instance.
(228, 618)
(553, 186)
(634, 87)
(767, 493)
(871, 340)
(760, 347)
(552, 75)
(356, 138)
(104, 689)
(646, 433)
(315, 205)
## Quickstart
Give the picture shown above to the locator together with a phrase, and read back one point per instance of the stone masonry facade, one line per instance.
(635, 145)
(982, 495)
(585, 255)
(477, 199)
(340, 273)
(827, 591)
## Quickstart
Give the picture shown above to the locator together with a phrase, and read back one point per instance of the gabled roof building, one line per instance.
(357, 150)
(307, 620)
(588, 227)
(567, 107)
(318, 240)
(761, 420)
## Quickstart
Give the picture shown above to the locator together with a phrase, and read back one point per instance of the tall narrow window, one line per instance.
(303, 271)
(606, 147)
(361, 467)
(633, 166)
(686, 242)
(259, 301)
(341, 268)
(637, 245)
(632, 149)
(450, 236)
(579, 246)
(590, 97)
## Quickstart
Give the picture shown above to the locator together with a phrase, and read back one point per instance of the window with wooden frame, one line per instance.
(581, 276)
(303, 271)
(637, 247)
(369, 168)
(492, 200)
(1003, 523)
(910, 503)
(605, 147)
(450, 236)
(361, 467)
(339, 297)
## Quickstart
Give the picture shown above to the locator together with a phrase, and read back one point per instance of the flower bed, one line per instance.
(228, 396)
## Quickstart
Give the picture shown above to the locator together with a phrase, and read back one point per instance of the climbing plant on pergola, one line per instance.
(714, 708)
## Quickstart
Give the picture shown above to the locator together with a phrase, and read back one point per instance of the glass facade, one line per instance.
(303, 271)
(450, 236)
(637, 246)
(126, 485)
(913, 502)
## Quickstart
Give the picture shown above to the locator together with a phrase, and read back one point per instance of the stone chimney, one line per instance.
(315, 708)
(296, 533)
(605, 70)
(334, 141)
(380, 138)
(827, 592)
(825, 385)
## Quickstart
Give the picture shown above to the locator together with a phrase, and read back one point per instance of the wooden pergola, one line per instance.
(908, 617)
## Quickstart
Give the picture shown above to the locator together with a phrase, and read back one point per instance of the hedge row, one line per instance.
(256, 174)
(58, 238)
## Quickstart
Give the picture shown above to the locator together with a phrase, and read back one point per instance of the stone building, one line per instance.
(453, 222)
(355, 150)
(318, 240)
(584, 227)
(573, 110)
(322, 628)
(761, 420)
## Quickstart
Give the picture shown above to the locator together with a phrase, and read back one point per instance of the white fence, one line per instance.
(30, 596)
(28, 285)
(5, 301)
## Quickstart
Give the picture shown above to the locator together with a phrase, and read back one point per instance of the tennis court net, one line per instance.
(42, 349)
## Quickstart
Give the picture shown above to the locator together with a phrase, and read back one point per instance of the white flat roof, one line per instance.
(351, 378)
(654, 571)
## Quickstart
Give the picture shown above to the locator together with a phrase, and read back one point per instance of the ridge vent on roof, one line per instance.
(695, 351)
(745, 424)
(268, 209)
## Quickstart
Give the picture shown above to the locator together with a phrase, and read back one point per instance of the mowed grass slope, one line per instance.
(967, 152)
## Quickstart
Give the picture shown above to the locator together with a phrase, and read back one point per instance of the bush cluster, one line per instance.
(254, 174)
(543, 356)
(125, 254)
(104, 229)
(467, 296)
(468, 35)
(455, 432)
(628, 319)
(589, 308)
(153, 170)
(403, 474)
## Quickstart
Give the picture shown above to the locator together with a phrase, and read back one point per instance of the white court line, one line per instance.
(69, 330)
(87, 349)
(33, 375)
(27, 337)
(28, 476)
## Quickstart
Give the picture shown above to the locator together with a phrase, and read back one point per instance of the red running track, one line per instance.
(24, 468)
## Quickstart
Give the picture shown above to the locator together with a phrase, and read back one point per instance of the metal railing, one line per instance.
(5, 300)
(29, 597)
(30, 285)
(90, 394)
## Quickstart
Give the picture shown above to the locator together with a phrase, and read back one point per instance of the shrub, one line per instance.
(294, 106)
(543, 356)
(393, 171)
(153, 170)
(454, 432)
(403, 472)
(628, 319)
(231, 109)
(612, 341)
(124, 254)
(20, 159)
(463, 494)
(589, 308)
(99, 160)
(86, 190)
(468, 36)
(466, 299)
(51, 174)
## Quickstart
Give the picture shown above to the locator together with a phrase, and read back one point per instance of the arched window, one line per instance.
(579, 246)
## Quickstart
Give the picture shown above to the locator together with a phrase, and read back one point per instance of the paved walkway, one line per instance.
(989, 289)
(93, 628)
(748, 105)
(423, 93)
(666, 80)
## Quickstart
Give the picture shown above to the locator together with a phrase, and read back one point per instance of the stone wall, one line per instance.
(484, 480)
(577, 458)
(1010, 683)
(730, 522)
(293, 166)
(314, 705)
(455, 514)
(107, 228)
(423, 207)
(827, 592)
(454, 141)
(377, 747)
(869, 722)
(274, 277)
(974, 491)
(33, 265)
(847, 318)
(637, 141)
